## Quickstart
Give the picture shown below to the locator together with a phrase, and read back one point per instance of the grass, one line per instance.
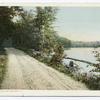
(3, 60)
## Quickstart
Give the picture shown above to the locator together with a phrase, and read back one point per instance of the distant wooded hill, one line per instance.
(85, 44)
(64, 41)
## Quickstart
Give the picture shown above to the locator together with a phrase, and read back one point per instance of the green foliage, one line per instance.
(3, 61)
(35, 30)
(6, 23)
(93, 83)
(58, 56)
(64, 41)
(22, 35)
(43, 27)
(32, 30)
(97, 56)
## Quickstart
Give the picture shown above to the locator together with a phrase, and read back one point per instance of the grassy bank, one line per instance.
(93, 83)
(3, 60)
(60, 67)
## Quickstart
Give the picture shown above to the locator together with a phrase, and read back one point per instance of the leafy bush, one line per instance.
(2, 64)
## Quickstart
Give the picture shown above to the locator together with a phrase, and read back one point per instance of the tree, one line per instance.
(6, 23)
(58, 56)
(43, 27)
(32, 29)
(97, 56)
(39, 30)
(37, 27)
(23, 34)
(64, 41)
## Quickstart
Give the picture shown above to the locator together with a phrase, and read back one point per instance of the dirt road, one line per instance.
(25, 72)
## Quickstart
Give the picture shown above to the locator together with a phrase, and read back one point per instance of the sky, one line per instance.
(78, 23)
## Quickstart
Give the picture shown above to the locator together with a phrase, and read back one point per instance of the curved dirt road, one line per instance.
(25, 72)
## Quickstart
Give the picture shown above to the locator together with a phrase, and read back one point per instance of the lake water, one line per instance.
(81, 54)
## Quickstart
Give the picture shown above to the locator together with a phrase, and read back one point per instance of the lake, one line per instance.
(81, 54)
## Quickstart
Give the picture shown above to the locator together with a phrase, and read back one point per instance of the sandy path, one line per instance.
(25, 72)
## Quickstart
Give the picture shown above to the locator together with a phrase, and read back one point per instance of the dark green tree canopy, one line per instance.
(33, 29)
(6, 23)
